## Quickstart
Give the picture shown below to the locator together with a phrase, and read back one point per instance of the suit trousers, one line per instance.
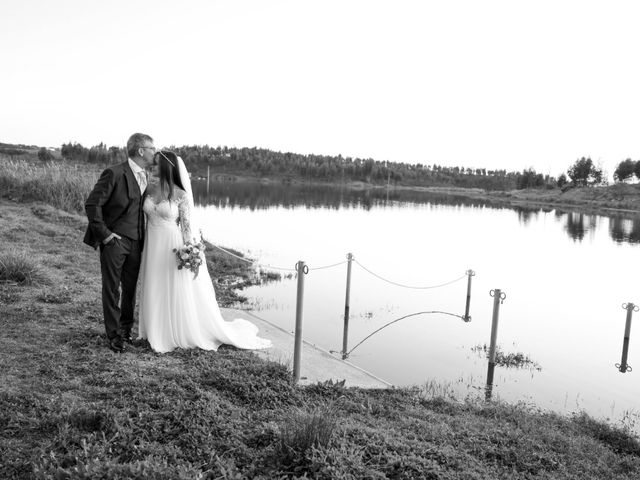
(120, 265)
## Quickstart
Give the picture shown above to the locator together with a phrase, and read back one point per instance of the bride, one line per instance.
(176, 310)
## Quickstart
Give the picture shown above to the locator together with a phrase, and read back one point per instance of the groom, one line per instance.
(116, 225)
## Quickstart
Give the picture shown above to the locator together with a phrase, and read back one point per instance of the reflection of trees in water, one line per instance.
(525, 214)
(254, 196)
(625, 230)
(575, 226)
(621, 229)
(578, 224)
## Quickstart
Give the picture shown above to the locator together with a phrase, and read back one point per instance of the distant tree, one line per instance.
(562, 180)
(74, 151)
(529, 179)
(45, 155)
(117, 155)
(624, 170)
(636, 169)
(584, 172)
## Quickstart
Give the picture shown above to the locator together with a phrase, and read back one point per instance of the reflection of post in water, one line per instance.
(623, 366)
(498, 298)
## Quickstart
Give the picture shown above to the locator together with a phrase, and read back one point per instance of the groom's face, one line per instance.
(147, 153)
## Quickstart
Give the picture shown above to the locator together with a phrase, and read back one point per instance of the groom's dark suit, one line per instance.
(115, 206)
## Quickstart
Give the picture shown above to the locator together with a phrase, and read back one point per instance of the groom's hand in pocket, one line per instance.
(111, 239)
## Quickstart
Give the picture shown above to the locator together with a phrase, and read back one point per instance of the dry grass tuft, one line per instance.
(301, 430)
(17, 266)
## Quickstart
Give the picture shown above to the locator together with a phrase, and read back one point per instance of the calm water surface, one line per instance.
(565, 276)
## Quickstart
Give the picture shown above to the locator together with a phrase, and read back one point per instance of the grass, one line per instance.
(60, 184)
(70, 408)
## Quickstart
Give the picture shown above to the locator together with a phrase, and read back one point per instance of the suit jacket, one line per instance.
(114, 205)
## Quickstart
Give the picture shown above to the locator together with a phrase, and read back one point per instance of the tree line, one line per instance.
(338, 169)
(321, 168)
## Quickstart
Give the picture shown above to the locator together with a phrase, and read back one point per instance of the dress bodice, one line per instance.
(166, 211)
(169, 213)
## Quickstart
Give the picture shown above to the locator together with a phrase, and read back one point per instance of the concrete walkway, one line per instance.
(316, 365)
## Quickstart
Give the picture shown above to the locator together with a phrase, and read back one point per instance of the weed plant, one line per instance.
(17, 266)
(301, 430)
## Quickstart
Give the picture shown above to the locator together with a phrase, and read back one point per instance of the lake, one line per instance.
(565, 276)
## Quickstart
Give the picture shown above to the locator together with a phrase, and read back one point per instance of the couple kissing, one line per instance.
(140, 214)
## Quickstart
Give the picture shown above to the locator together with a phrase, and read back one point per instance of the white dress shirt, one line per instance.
(140, 174)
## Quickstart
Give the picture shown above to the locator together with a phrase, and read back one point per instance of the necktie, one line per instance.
(142, 180)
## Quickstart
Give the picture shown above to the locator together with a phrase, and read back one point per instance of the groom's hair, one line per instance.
(136, 141)
(169, 173)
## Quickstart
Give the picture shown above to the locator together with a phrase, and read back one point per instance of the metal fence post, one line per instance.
(302, 270)
(498, 298)
(470, 273)
(345, 332)
(623, 366)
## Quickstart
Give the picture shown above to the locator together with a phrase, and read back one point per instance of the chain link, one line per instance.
(409, 286)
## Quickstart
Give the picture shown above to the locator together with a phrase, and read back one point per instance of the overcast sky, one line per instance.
(495, 84)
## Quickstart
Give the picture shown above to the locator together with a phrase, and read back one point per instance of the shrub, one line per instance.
(18, 267)
(45, 155)
(302, 430)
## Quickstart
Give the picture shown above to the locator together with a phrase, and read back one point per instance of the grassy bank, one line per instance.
(60, 184)
(70, 408)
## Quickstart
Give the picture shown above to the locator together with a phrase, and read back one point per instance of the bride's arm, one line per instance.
(184, 213)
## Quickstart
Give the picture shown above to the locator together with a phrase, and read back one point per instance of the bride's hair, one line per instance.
(169, 174)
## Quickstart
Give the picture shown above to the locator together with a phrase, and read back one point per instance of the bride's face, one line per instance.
(155, 167)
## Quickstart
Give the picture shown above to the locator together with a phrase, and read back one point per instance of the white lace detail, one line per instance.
(184, 214)
(174, 213)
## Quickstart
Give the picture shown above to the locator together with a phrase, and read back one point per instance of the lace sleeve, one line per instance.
(184, 214)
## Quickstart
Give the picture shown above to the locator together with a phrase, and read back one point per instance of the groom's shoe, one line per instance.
(116, 345)
(127, 338)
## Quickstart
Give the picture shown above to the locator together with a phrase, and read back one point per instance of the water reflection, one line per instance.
(625, 230)
(525, 215)
(256, 196)
(575, 225)
(259, 196)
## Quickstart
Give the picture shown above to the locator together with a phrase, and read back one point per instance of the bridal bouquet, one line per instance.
(190, 256)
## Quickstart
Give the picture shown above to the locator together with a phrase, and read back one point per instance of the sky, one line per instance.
(482, 84)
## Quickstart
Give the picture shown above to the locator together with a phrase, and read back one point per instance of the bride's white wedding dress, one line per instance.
(176, 310)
